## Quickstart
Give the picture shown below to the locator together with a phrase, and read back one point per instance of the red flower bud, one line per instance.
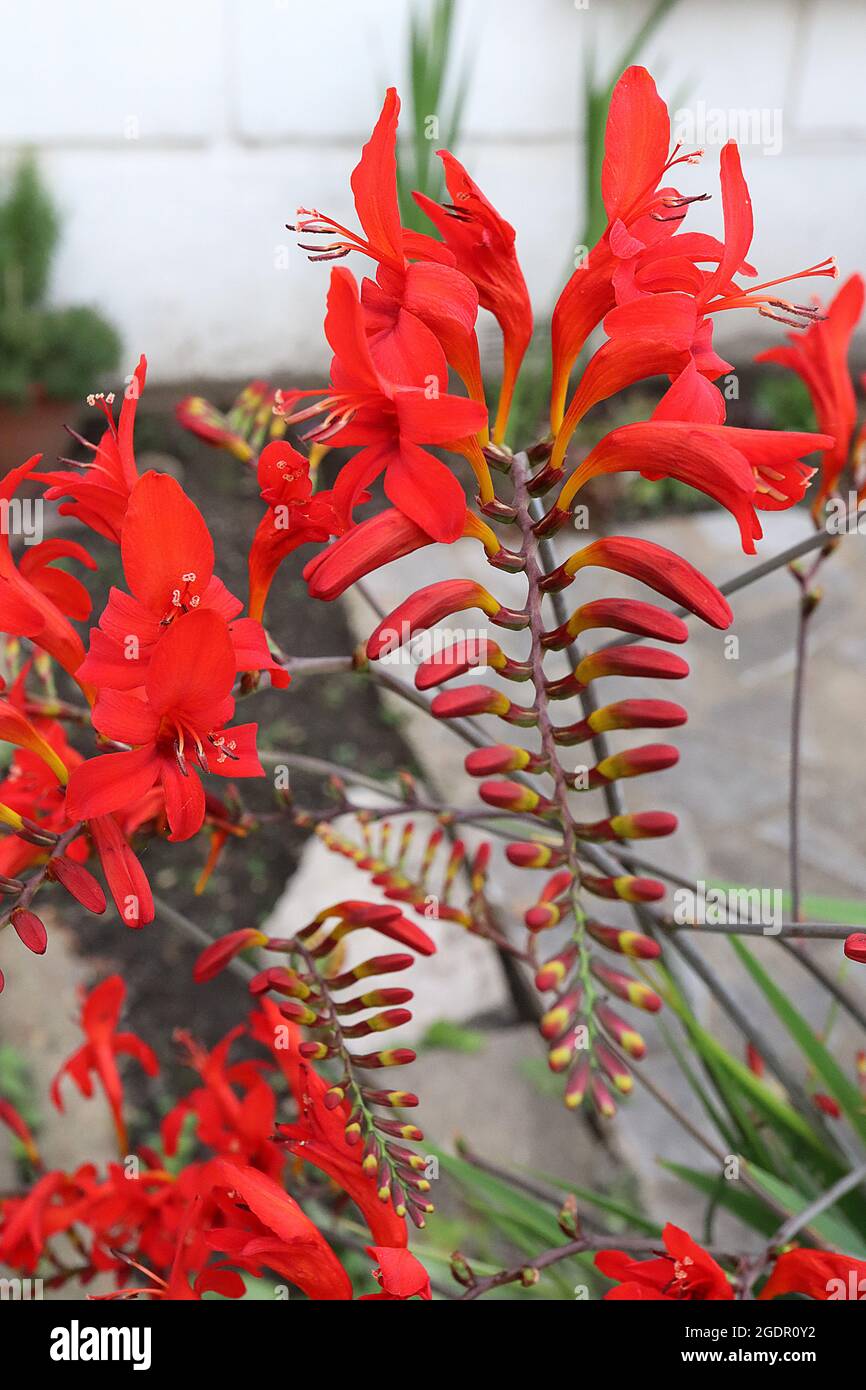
(512, 796)
(79, 882)
(481, 699)
(855, 947)
(626, 1037)
(602, 1098)
(624, 987)
(526, 854)
(622, 614)
(215, 958)
(624, 942)
(31, 930)
(555, 970)
(653, 565)
(623, 714)
(502, 757)
(625, 887)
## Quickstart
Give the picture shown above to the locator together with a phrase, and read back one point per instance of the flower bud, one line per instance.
(30, 930)
(624, 987)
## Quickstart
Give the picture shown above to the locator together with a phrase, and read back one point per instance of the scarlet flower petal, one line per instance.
(192, 669)
(184, 800)
(251, 651)
(739, 224)
(426, 491)
(107, 783)
(636, 143)
(374, 184)
(817, 1273)
(346, 332)
(124, 717)
(124, 875)
(164, 538)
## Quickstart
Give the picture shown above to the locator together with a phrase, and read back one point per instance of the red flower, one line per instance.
(743, 469)
(819, 356)
(168, 560)
(234, 1107)
(636, 157)
(400, 1274)
(391, 421)
(100, 489)
(295, 516)
(639, 254)
(685, 1271)
(318, 1136)
(265, 1226)
(34, 598)
(53, 1204)
(483, 245)
(99, 1015)
(178, 719)
(818, 1274)
(419, 309)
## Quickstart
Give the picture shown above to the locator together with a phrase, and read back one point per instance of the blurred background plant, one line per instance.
(432, 114)
(58, 354)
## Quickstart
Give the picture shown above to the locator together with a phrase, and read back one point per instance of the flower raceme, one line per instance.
(243, 430)
(161, 679)
(656, 289)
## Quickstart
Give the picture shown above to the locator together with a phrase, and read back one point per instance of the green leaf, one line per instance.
(611, 1206)
(501, 1201)
(773, 1107)
(451, 1037)
(743, 1204)
(699, 1090)
(833, 1228)
(838, 1084)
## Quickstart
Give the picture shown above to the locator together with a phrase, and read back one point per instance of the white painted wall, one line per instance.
(179, 136)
